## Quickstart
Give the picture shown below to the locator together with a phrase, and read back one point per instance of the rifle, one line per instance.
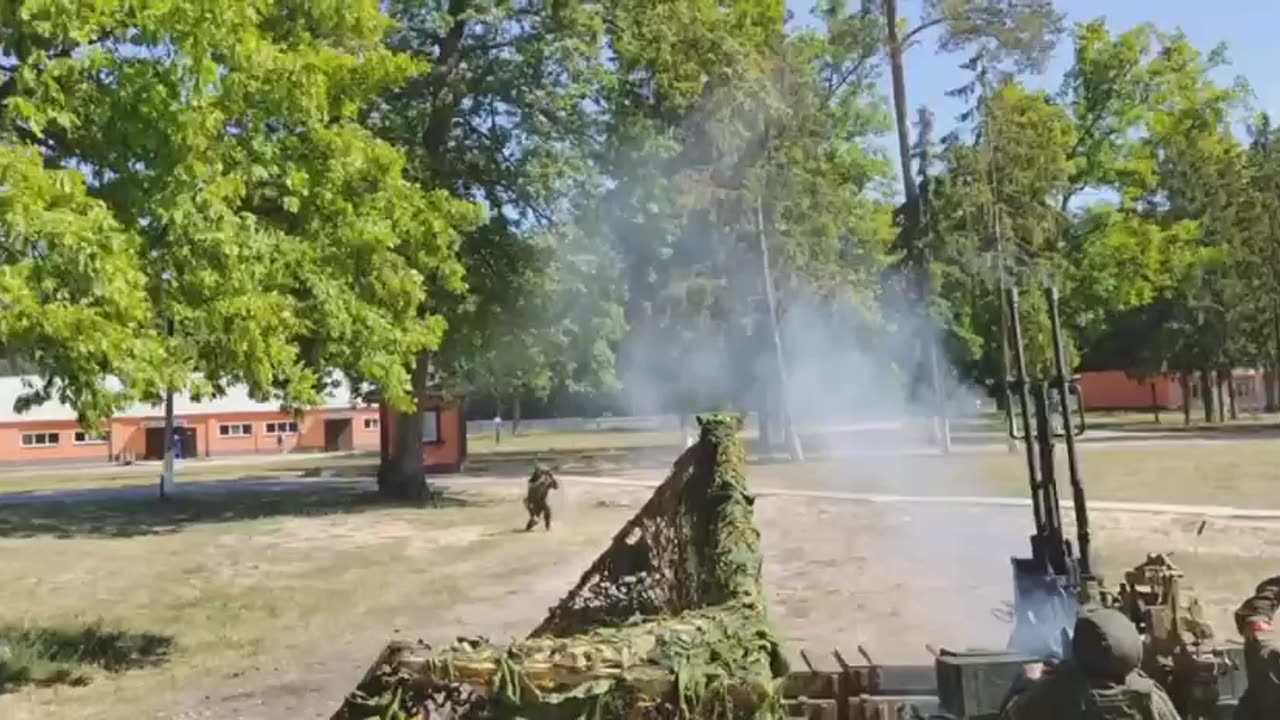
(1051, 584)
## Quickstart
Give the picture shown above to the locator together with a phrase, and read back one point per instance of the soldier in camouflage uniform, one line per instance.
(1101, 681)
(541, 483)
(1261, 653)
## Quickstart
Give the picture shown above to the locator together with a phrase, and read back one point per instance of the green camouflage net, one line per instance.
(669, 622)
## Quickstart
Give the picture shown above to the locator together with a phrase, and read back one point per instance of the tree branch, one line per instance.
(911, 34)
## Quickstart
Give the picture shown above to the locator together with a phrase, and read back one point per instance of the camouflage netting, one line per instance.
(669, 622)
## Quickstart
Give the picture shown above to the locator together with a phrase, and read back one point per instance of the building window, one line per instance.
(89, 437)
(431, 426)
(39, 440)
(1242, 389)
(235, 430)
(371, 423)
(282, 428)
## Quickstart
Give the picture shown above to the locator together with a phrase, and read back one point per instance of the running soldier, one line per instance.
(541, 483)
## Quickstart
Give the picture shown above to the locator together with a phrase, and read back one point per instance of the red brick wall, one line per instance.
(1114, 390)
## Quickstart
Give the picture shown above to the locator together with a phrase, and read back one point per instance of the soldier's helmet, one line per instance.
(1106, 645)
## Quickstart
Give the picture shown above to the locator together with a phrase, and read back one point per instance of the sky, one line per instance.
(1247, 27)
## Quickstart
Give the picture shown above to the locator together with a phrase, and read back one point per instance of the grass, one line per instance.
(249, 586)
(1240, 474)
(308, 577)
(69, 655)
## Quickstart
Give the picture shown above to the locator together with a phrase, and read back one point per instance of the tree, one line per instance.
(260, 234)
(1022, 34)
(503, 115)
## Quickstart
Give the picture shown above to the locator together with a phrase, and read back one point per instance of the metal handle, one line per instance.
(1075, 390)
(1010, 421)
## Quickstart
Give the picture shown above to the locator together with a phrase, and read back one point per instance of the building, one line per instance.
(234, 424)
(1115, 390)
(444, 435)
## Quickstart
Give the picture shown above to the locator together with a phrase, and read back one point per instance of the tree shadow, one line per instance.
(44, 656)
(135, 511)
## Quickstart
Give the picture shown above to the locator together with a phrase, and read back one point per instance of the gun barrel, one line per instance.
(1021, 382)
(1063, 383)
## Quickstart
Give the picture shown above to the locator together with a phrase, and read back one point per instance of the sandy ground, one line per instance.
(891, 577)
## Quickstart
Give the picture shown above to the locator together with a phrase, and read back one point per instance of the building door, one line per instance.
(154, 446)
(339, 435)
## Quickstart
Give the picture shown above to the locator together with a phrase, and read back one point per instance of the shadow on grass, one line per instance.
(64, 655)
(135, 511)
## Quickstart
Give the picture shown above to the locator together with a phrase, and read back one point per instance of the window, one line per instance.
(1242, 389)
(89, 437)
(40, 439)
(235, 430)
(282, 428)
(431, 426)
(371, 423)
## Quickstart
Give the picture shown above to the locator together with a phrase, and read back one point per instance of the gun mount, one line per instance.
(1050, 585)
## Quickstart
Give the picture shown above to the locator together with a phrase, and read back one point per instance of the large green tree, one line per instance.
(198, 188)
(503, 114)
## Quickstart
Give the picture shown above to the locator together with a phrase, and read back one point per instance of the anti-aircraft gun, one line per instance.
(1051, 585)
(1058, 578)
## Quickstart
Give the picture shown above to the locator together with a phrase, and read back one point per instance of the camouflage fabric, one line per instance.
(541, 483)
(1102, 682)
(668, 622)
(1262, 653)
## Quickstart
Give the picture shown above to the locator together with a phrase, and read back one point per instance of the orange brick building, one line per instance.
(444, 435)
(231, 425)
(1114, 390)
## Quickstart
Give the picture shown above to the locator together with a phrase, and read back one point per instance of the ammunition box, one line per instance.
(975, 686)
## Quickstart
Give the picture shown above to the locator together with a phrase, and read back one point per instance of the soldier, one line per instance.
(1101, 681)
(541, 483)
(1261, 653)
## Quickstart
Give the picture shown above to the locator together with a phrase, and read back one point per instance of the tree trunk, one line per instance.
(1184, 380)
(1275, 378)
(497, 419)
(764, 423)
(401, 474)
(1269, 388)
(1155, 403)
(913, 220)
(1206, 394)
(775, 335)
(166, 472)
(515, 414)
(1223, 385)
(1230, 382)
(898, 73)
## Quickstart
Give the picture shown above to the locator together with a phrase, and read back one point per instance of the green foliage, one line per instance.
(502, 116)
(274, 232)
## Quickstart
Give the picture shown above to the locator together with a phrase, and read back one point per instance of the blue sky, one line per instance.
(1248, 27)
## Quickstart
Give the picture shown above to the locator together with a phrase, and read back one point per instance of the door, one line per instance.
(339, 435)
(154, 444)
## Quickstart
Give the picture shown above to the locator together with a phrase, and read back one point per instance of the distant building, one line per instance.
(233, 424)
(1115, 390)
(443, 441)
